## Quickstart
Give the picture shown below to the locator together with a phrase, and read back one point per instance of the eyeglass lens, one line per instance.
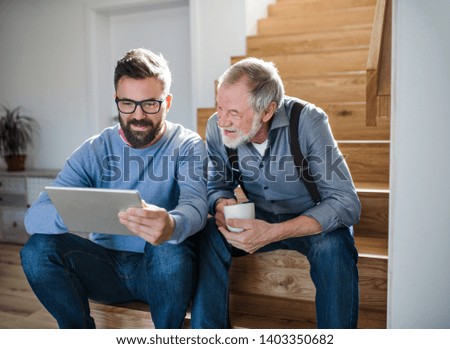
(149, 106)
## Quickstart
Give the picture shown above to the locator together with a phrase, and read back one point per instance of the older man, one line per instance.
(312, 213)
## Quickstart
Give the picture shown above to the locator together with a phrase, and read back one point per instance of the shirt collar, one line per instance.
(280, 118)
(122, 135)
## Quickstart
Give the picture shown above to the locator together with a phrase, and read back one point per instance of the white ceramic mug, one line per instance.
(242, 211)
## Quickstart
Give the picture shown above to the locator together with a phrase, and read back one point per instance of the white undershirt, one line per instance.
(260, 147)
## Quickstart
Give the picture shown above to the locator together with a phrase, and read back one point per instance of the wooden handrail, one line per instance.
(378, 64)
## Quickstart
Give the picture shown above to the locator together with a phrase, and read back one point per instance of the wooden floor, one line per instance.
(20, 309)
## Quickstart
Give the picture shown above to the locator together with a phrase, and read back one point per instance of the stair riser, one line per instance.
(333, 89)
(348, 122)
(368, 162)
(374, 220)
(357, 18)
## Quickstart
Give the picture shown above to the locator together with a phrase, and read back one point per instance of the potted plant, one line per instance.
(16, 133)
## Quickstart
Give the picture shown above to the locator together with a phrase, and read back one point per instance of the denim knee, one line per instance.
(213, 237)
(38, 245)
(171, 259)
(336, 244)
(37, 249)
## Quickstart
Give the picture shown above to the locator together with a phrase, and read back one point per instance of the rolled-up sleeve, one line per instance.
(191, 212)
(340, 205)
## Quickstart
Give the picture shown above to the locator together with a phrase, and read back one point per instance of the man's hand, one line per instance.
(152, 223)
(220, 216)
(256, 234)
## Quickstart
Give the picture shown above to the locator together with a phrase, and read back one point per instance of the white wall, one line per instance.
(43, 69)
(217, 29)
(419, 277)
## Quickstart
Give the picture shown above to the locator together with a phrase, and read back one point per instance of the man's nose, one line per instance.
(139, 113)
(222, 119)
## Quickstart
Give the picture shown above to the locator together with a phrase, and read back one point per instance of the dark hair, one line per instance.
(142, 63)
(262, 78)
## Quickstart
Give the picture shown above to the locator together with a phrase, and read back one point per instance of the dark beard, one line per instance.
(138, 139)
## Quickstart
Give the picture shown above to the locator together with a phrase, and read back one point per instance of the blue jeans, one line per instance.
(332, 257)
(66, 270)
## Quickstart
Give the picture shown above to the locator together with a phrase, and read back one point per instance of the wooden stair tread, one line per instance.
(259, 312)
(316, 63)
(312, 76)
(133, 315)
(292, 8)
(372, 186)
(360, 17)
(263, 45)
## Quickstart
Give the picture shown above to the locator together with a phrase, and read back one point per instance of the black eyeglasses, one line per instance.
(148, 106)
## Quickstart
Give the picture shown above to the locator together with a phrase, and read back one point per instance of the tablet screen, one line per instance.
(93, 210)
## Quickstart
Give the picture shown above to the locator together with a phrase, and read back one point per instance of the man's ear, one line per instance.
(269, 112)
(169, 99)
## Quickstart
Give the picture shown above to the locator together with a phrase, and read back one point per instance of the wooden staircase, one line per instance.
(321, 49)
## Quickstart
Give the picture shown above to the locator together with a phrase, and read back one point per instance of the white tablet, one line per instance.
(93, 210)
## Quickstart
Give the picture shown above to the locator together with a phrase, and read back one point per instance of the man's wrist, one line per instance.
(170, 227)
(218, 201)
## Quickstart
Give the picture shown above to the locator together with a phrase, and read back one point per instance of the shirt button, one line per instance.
(261, 165)
(266, 187)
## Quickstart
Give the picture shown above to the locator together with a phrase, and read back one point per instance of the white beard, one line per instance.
(241, 138)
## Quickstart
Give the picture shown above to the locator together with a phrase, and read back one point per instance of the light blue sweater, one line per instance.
(170, 174)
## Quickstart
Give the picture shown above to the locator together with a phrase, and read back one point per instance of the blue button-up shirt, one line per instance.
(272, 182)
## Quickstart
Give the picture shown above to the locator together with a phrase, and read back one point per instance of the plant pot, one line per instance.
(15, 162)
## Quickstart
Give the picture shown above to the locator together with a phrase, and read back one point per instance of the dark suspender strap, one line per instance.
(300, 162)
(233, 159)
